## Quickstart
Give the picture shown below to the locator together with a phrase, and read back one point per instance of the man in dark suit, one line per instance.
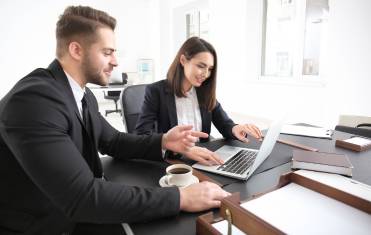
(51, 177)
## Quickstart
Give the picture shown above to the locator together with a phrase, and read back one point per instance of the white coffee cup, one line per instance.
(179, 175)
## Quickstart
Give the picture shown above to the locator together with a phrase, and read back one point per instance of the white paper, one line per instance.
(358, 141)
(222, 227)
(340, 182)
(297, 210)
(306, 131)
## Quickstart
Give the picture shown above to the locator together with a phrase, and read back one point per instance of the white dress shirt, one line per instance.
(188, 110)
(77, 91)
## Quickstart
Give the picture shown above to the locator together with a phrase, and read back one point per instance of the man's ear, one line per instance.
(75, 50)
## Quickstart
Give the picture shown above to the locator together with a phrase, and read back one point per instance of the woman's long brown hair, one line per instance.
(175, 75)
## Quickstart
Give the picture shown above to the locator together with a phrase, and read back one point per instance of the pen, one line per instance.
(360, 184)
(300, 146)
(293, 144)
(363, 137)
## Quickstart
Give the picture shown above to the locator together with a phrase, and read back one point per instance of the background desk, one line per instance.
(107, 88)
(147, 174)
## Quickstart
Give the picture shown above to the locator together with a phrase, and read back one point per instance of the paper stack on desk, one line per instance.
(317, 132)
(295, 208)
(222, 227)
(325, 162)
(298, 210)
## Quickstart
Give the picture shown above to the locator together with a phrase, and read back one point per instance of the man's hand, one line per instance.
(180, 139)
(203, 156)
(201, 196)
(241, 132)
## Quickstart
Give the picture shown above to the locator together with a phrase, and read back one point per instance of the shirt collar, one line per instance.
(191, 91)
(77, 91)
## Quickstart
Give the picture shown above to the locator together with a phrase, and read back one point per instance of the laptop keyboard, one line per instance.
(239, 163)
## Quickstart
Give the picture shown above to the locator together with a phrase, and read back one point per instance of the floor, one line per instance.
(115, 119)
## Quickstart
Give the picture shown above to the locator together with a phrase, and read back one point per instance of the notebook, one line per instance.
(325, 162)
(240, 163)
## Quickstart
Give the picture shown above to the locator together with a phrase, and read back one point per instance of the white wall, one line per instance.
(28, 33)
(236, 34)
(146, 30)
(350, 57)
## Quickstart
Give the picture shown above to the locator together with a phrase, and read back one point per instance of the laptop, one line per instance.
(240, 163)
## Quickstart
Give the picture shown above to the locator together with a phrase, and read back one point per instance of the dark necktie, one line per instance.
(85, 114)
(89, 150)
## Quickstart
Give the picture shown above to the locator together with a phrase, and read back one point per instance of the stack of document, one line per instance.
(318, 132)
(325, 162)
(294, 209)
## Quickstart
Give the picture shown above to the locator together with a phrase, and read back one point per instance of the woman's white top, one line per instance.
(188, 110)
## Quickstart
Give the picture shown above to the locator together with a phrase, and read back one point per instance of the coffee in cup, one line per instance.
(179, 175)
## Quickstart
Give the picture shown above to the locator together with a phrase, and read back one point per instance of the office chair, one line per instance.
(360, 129)
(115, 95)
(357, 125)
(131, 102)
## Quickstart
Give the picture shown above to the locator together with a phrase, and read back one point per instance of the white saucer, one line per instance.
(163, 181)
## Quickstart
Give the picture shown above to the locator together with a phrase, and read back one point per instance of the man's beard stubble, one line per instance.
(92, 74)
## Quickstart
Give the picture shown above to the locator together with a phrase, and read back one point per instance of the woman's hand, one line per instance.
(241, 131)
(203, 156)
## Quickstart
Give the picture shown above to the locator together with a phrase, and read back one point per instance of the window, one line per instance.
(294, 31)
(197, 24)
(315, 30)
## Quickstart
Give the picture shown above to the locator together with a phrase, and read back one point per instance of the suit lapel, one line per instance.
(90, 144)
(204, 118)
(57, 71)
(90, 154)
(170, 101)
(204, 114)
(91, 115)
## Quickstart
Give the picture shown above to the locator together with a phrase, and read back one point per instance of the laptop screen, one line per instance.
(268, 144)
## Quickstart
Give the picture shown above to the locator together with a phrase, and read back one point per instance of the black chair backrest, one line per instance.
(131, 102)
(355, 130)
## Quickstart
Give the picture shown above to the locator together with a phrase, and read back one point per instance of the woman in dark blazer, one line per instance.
(187, 96)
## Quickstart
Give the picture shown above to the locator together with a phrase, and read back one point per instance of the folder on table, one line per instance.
(329, 203)
(355, 143)
(309, 131)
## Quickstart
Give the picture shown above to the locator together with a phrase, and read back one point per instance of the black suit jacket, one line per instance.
(159, 109)
(46, 184)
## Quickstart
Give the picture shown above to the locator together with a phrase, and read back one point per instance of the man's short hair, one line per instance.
(80, 23)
